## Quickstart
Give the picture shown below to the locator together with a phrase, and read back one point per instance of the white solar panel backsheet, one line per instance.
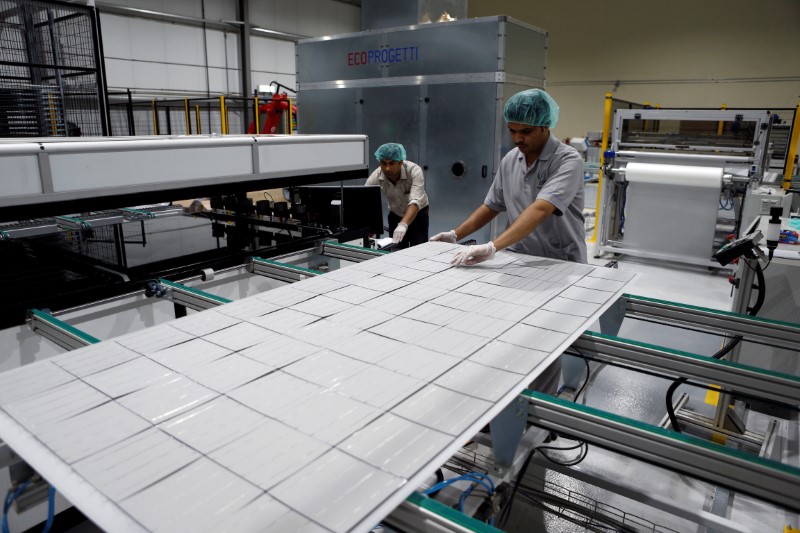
(316, 406)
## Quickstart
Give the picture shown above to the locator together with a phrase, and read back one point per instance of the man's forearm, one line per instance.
(526, 223)
(478, 219)
(410, 214)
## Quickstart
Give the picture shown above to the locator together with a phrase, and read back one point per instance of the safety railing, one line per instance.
(221, 115)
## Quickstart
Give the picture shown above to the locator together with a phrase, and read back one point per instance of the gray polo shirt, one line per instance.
(557, 176)
(409, 189)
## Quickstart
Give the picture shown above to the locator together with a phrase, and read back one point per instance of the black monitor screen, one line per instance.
(361, 206)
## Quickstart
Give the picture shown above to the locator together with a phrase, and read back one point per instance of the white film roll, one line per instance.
(671, 210)
(677, 175)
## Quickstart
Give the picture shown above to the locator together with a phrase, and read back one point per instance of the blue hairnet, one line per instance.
(533, 107)
(391, 152)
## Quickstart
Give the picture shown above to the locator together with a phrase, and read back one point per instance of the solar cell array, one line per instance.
(315, 406)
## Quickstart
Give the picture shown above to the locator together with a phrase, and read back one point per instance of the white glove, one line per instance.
(447, 236)
(473, 255)
(399, 232)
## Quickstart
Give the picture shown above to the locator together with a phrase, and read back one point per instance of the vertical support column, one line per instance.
(507, 428)
(223, 116)
(244, 59)
(793, 142)
(129, 111)
(256, 123)
(721, 123)
(99, 62)
(155, 117)
(186, 116)
(603, 148)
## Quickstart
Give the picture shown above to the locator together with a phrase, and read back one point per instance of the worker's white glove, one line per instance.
(447, 236)
(399, 232)
(473, 255)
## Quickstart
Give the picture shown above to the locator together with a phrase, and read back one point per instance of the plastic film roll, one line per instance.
(671, 210)
(675, 175)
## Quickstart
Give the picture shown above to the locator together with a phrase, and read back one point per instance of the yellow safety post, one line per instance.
(787, 172)
(603, 148)
(223, 115)
(721, 123)
(186, 114)
(155, 118)
(53, 121)
(197, 118)
(255, 121)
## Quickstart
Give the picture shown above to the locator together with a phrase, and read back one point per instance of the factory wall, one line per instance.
(680, 53)
(162, 58)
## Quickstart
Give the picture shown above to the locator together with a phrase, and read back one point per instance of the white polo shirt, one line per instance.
(409, 189)
(556, 176)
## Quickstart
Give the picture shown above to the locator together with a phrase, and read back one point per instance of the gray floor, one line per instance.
(642, 397)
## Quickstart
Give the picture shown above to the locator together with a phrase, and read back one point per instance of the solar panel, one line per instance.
(316, 406)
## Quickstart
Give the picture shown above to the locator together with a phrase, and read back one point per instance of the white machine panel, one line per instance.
(72, 172)
(47, 170)
(320, 157)
(318, 406)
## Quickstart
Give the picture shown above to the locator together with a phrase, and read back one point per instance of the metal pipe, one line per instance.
(688, 157)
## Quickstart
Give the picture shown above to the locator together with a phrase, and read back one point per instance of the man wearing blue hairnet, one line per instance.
(403, 183)
(539, 185)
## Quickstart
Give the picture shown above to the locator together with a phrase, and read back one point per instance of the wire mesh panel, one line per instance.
(50, 77)
(134, 117)
(239, 114)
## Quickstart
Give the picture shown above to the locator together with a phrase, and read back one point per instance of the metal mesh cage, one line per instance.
(50, 80)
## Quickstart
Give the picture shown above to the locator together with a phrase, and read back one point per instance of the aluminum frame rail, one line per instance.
(280, 271)
(350, 252)
(768, 480)
(776, 386)
(750, 328)
(191, 298)
(58, 331)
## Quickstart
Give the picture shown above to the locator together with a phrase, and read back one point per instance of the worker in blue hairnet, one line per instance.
(403, 183)
(539, 185)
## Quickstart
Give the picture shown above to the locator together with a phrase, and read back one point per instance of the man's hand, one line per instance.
(473, 255)
(399, 232)
(447, 236)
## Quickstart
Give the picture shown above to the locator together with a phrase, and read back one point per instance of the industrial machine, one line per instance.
(438, 88)
(677, 182)
(70, 221)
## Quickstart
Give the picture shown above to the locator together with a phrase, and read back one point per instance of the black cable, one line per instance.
(503, 518)
(586, 381)
(534, 493)
(439, 478)
(577, 460)
(673, 419)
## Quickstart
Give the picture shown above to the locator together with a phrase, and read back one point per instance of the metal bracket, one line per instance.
(280, 271)
(59, 332)
(189, 297)
(349, 252)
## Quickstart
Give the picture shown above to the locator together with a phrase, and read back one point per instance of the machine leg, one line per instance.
(180, 310)
(507, 428)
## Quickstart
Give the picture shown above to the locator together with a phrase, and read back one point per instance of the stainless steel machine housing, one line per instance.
(439, 89)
